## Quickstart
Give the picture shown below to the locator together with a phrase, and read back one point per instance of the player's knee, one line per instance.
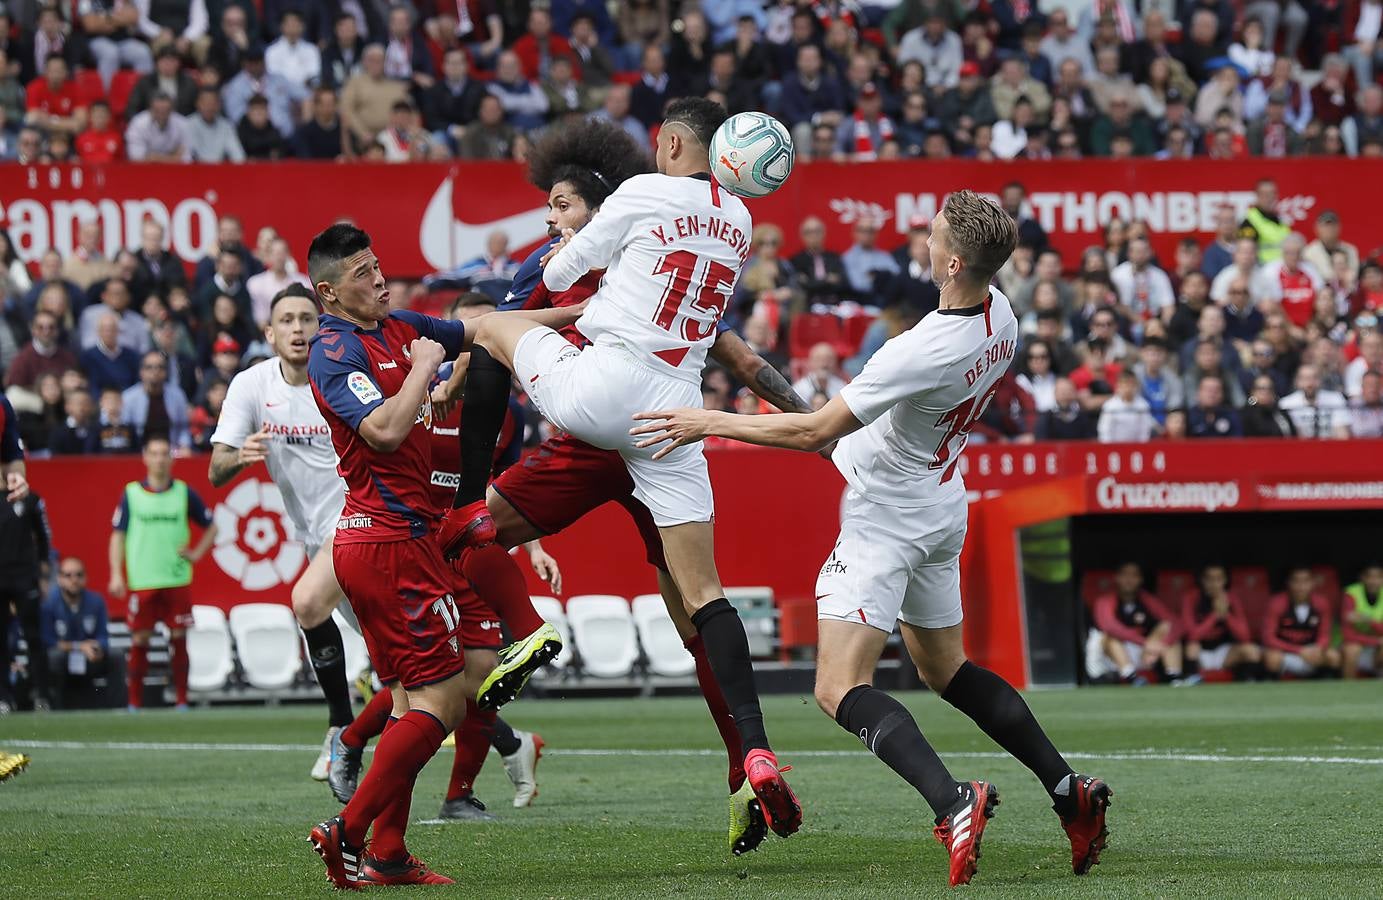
(937, 672)
(1252, 653)
(513, 529)
(829, 694)
(310, 607)
(1332, 658)
(1272, 659)
(1193, 650)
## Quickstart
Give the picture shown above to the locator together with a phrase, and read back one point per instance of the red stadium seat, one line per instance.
(796, 625)
(1328, 584)
(1096, 584)
(629, 78)
(121, 86)
(1172, 585)
(1250, 585)
(89, 85)
(810, 329)
(855, 328)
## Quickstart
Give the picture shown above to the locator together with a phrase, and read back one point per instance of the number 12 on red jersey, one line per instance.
(712, 293)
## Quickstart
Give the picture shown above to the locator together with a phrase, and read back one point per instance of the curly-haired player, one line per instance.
(579, 167)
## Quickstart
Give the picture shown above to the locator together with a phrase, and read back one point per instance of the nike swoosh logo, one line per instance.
(271, 405)
(447, 242)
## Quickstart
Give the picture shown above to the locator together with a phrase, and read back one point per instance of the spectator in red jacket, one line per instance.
(1136, 630)
(1362, 621)
(1216, 629)
(540, 46)
(1297, 627)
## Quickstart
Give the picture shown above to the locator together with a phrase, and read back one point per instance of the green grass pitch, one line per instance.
(1220, 791)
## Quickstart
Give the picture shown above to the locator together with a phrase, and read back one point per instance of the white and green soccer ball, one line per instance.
(751, 154)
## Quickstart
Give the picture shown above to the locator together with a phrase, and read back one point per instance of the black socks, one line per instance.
(1000, 712)
(727, 650)
(486, 398)
(328, 656)
(889, 731)
(505, 742)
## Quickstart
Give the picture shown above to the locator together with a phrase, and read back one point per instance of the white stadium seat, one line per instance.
(603, 629)
(550, 608)
(661, 643)
(209, 657)
(266, 639)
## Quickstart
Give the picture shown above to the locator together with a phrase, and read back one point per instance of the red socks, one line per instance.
(179, 664)
(472, 744)
(393, 822)
(139, 667)
(373, 719)
(720, 711)
(399, 757)
(500, 585)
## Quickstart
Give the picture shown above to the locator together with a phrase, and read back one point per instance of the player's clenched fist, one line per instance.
(427, 354)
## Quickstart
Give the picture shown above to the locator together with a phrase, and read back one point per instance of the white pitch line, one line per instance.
(1114, 756)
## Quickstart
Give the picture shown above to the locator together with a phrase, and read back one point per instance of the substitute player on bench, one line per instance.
(902, 425)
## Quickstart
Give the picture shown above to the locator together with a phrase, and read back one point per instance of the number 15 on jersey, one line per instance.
(712, 282)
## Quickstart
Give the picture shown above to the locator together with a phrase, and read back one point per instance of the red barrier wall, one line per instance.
(433, 215)
(777, 514)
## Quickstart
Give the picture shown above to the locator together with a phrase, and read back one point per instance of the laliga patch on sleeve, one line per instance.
(363, 388)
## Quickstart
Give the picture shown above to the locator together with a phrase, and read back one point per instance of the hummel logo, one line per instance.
(391, 364)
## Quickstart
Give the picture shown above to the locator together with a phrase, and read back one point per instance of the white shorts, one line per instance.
(1097, 662)
(892, 563)
(594, 394)
(343, 607)
(1367, 657)
(1215, 659)
(1293, 664)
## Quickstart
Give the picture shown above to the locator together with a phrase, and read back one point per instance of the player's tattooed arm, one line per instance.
(228, 462)
(751, 370)
(770, 384)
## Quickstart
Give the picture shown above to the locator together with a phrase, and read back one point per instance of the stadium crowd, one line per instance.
(1258, 332)
(229, 80)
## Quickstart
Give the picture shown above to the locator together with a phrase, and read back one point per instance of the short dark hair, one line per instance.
(471, 300)
(1155, 342)
(294, 290)
(698, 115)
(154, 435)
(332, 247)
(593, 157)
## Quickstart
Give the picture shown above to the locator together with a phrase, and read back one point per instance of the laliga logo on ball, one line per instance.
(751, 154)
(254, 540)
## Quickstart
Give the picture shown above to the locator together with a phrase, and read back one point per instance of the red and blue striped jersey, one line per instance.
(353, 371)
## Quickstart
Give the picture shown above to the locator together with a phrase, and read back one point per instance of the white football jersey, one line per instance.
(918, 398)
(301, 459)
(672, 248)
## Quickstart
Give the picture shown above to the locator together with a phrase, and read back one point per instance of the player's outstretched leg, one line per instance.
(499, 583)
(315, 595)
(747, 826)
(486, 397)
(848, 653)
(690, 553)
(1000, 712)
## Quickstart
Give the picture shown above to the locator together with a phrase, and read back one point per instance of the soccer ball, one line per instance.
(751, 154)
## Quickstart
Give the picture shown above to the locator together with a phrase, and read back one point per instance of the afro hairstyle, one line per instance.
(593, 157)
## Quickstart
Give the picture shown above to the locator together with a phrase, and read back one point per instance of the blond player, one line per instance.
(902, 425)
